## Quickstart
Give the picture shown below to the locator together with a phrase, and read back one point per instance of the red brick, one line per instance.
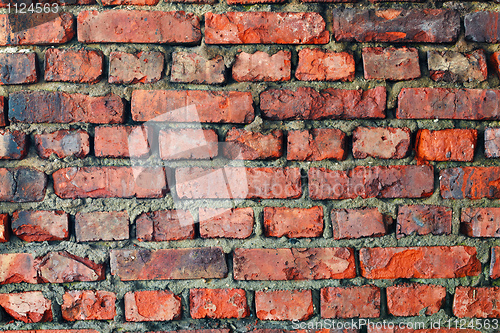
(380, 142)
(168, 264)
(17, 268)
(470, 183)
(260, 66)
(396, 181)
(22, 185)
(194, 68)
(109, 182)
(39, 226)
(251, 2)
(308, 104)
(60, 107)
(36, 29)
(165, 225)
(411, 299)
(122, 141)
(83, 66)
(29, 307)
(188, 143)
(105, 226)
(13, 145)
(351, 302)
(316, 144)
(450, 66)
(226, 222)
(396, 329)
(393, 64)
(495, 262)
(495, 62)
(247, 145)
(476, 302)
(63, 267)
(265, 28)
(293, 222)
(396, 25)
(357, 223)
(238, 182)
(5, 3)
(18, 68)
(130, 2)
(63, 143)
(293, 264)
(423, 220)
(2, 111)
(433, 262)
(218, 303)
(142, 67)
(88, 305)
(219, 330)
(448, 103)
(481, 222)
(446, 145)
(284, 305)
(152, 305)
(479, 27)
(53, 331)
(322, 65)
(192, 106)
(492, 142)
(137, 26)
(4, 228)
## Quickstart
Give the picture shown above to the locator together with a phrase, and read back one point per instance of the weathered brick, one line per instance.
(36, 29)
(137, 26)
(495, 62)
(492, 142)
(152, 305)
(433, 262)
(63, 267)
(316, 144)
(450, 66)
(5, 3)
(495, 262)
(260, 66)
(2, 111)
(129, 68)
(241, 144)
(293, 264)
(4, 228)
(39, 226)
(188, 143)
(293, 222)
(82, 66)
(306, 103)
(446, 145)
(194, 68)
(29, 307)
(88, 305)
(470, 183)
(130, 2)
(18, 68)
(167, 264)
(396, 181)
(476, 302)
(60, 107)
(17, 268)
(226, 222)
(393, 64)
(381, 142)
(481, 27)
(192, 106)
(322, 65)
(411, 299)
(109, 182)
(53, 331)
(218, 303)
(238, 182)
(265, 28)
(284, 305)
(13, 145)
(396, 25)
(63, 143)
(22, 185)
(351, 302)
(251, 2)
(448, 103)
(423, 220)
(97, 226)
(357, 223)
(481, 222)
(165, 225)
(122, 141)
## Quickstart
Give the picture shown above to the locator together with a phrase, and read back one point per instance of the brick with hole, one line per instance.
(446, 145)
(39, 226)
(188, 143)
(480, 222)
(22, 185)
(479, 27)
(2, 111)
(165, 225)
(261, 66)
(152, 305)
(358, 223)
(13, 145)
(29, 307)
(408, 300)
(194, 68)
(392, 64)
(101, 226)
(293, 222)
(476, 302)
(492, 142)
(470, 183)
(226, 222)
(4, 228)
(284, 305)
(381, 142)
(495, 262)
(132, 68)
(79, 66)
(316, 144)
(241, 144)
(218, 303)
(351, 302)
(18, 68)
(451, 66)
(122, 141)
(423, 220)
(17, 268)
(323, 65)
(63, 143)
(88, 305)
(63, 267)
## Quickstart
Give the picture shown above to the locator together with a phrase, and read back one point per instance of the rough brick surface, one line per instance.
(446, 145)
(63, 143)
(293, 222)
(88, 305)
(84, 66)
(393, 64)
(22, 185)
(16, 268)
(492, 142)
(13, 145)
(476, 302)
(481, 222)
(165, 225)
(17, 68)
(470, 183)
(2, 111)
(411, 300)
(4, 228)
(226, 222)
(284, 305)
(320, 65)
(188, 143)
(63, 267)
(97, 226)
(423, 220)
(357, 223)
(241, 144)
(142, 67)
(122, 141)
(261, 66)
(435, 262)
(293, 264)
(480, 27)
(495, 62)
(450, 66)
(39, 226)
(380, 142)
(251, 2)
(130, 2)
(152, 305)
(218, 303)
(29, 307)
(495, 262)
(316, 144)
(352, 302)
(193, 68)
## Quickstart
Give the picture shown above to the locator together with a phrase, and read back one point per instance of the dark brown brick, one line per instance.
(393, 64)
(142, 67)
(218, 303)
(481, 222)
(13, 145)
(97, 226)
(29, 307)
(63, 267)
(152, 305)
(481, 27)
(88, 305)
(284, 305)
(470, 183)
(410, 299)
(226, 222)
(39, 226)
(241, 144)
(293, 222)
(260, 66)
(165, 225)
(492, 142)
(350, 302)
(63, 143)
(446, 145)
(193, 68)
(82, 66)
(381, 142)
(17, 268)
(450, 66)
(22, 185)
(188, 143)
(18, 68)
(321, 65)
(423, 220)
(357, 223)
(316, 144)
